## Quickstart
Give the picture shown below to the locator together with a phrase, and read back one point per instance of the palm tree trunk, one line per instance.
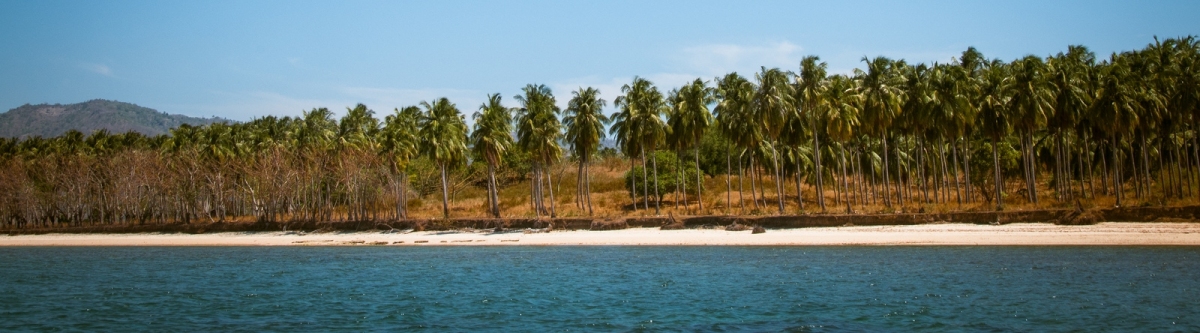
(699, 181)
(587, 178)
(492, 196)
(845, 184)
(1104, 174)
(753, 186)
(579, 184)
(999, 195)
(1146, 166)
(632, 184)
(741, 187)
(645, 181)
(657, 196)
(550, 185)
(887, 199)
(945, 170)
(728, 181)
(922, 160)
(683, 181)
(799, 192)
(966, 143)
(954, 172)
(445, 193)
(1025, 159)
(1116, 171)
(778, 178)
(817, 167)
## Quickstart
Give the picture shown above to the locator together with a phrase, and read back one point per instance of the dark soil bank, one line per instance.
(1058, 216)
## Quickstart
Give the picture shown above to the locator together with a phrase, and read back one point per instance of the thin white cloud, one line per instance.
(705, 62)
(718, 59)
(244, 106)
(97, 68)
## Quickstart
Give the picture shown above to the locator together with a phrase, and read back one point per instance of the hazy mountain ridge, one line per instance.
(48, 120)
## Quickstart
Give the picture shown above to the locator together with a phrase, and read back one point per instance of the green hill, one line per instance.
(48, 120)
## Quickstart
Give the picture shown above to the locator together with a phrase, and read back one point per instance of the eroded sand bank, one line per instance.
(928, 234)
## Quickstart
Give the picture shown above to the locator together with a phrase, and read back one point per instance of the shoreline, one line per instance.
(951, 234)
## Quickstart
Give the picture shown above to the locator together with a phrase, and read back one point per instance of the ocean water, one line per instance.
(705, 289)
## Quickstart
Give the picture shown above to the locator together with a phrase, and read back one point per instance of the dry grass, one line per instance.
(610, 199)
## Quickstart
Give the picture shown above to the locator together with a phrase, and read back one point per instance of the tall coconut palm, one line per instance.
(879, 87)
(538, 133)
(690, 119)
(810, 96)
(842, 112)
(733, 112)
(585, 122)
(491, 138)
(398, 146)
(774, 103)
(443, 132)
(970, 64)
(1031, 99)
(994, 118)
(1068, 77)
(640, 117)
(624, 131)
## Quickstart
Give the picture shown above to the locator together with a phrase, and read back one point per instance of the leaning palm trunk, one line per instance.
(778, 177)
(845, 184)
(999, 195)
(753, 187)
(683, 181)
(550, 185)
(817, 167)
(887, 199)
(728, 182)
(699, 182)
(799, 191)
(445, 194)
(588, 180)
(657, 196)
(492, 197)
(646, 183)
(954, 172)
(632, 185)
(1116, 171)
(741, 187)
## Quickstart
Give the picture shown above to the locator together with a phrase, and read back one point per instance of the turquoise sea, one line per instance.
(704, 289)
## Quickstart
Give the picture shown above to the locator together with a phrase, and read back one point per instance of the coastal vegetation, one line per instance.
(973, 134)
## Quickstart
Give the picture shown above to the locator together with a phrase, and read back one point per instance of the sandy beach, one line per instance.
(928, 234)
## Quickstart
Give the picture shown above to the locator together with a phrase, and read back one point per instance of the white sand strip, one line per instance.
(929, 234)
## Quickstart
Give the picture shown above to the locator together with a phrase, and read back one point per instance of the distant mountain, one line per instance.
(117, 117)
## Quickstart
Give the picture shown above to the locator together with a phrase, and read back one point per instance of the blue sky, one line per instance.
(243, 59)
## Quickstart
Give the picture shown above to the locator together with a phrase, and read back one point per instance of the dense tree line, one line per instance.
(970, 131)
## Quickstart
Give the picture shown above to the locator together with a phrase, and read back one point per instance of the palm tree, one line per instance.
(842, 110)
(1031, 98)
(1068, 76)
(538, 133)
(490, 139)
(357, 132)
(399, 145)
(690, 118)
(585, 122)
(774, 103)
(809, 94)
(735, 95)
(994, 117)
(640, 117)
(443, 133)
(879, 87)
